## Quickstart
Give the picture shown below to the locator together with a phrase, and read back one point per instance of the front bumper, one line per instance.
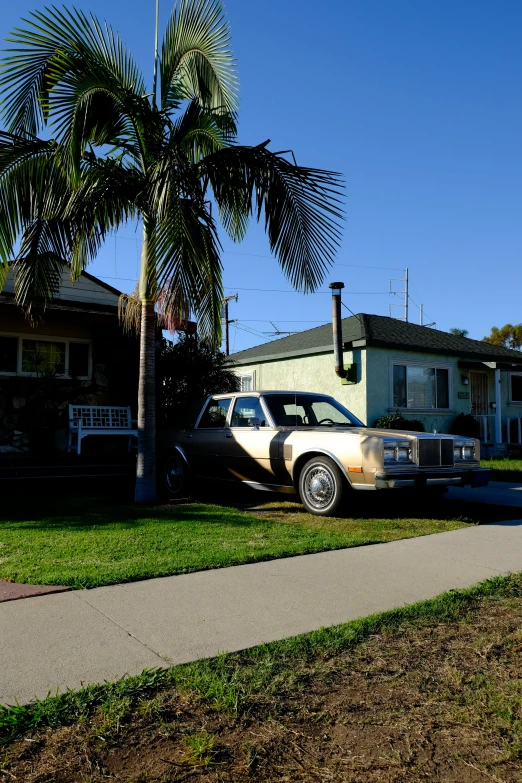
(474, 477)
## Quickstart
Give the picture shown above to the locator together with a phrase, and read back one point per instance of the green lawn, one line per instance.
(87, 542)
(504, 469)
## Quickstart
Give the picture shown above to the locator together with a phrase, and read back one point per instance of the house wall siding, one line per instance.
(83, 290)
(314, 373)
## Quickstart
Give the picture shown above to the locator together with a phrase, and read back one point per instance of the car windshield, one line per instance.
(309, 410)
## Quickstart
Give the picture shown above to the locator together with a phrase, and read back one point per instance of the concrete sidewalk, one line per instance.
(65, 640)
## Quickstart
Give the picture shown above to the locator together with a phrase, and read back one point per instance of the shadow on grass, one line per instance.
(242, 509)
(376, 505)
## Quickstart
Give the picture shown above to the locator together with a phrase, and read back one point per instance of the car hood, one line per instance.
(406, 434)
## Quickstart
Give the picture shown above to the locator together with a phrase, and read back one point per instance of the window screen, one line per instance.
(8, 354)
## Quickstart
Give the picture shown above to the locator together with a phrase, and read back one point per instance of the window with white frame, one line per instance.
(37, 355)
(420, 386)
(515, 387)
(246, 382)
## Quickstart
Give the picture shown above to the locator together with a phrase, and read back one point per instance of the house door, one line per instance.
(480, 401)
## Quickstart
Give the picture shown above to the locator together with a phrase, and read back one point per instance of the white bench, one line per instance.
(85, 420)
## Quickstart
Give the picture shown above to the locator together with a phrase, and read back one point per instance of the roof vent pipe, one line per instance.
(337, 329)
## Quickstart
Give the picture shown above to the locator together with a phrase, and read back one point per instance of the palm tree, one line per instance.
(87, 148)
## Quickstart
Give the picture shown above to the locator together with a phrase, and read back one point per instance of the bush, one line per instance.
(466, 425)
(397, 422)
(188, 371)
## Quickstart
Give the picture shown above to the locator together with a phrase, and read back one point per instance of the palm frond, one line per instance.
(69, 69)
(196, 57)
(198, 132)
(302, 207)
(184, 252)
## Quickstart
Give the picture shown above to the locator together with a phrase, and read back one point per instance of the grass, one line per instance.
(504, 469)
(86, 542)
(237, 683)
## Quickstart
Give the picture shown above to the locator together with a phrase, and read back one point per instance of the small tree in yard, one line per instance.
(187, 371)
(114, 150)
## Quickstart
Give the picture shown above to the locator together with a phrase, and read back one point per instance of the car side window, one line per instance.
(248, 413)
(215, 415)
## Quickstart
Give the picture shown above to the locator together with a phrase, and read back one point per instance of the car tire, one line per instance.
(322, 486)
(174, 477)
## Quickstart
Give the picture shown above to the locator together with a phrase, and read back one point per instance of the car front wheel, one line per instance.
(322, 486)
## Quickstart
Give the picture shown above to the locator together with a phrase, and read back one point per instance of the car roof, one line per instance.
(264, 392)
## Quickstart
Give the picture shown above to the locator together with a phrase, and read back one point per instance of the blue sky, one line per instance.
(418, 104)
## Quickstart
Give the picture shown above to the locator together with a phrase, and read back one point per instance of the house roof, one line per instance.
(379, 331)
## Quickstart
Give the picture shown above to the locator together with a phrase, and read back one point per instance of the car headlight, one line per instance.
(397, 451)
(463, 450)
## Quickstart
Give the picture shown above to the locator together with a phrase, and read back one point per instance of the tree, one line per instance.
(509, 336)
(88, 147)
(187, 371)
(459, 332)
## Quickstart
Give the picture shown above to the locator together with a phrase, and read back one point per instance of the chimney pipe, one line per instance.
(337, 329)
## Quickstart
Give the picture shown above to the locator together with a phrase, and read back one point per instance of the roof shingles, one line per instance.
(378, 330)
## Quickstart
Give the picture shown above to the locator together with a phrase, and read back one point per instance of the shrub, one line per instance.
(395, 421)
(465, 424)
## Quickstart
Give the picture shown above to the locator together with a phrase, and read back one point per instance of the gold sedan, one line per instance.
(310, 444)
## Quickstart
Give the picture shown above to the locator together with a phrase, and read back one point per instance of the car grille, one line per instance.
(435, 452)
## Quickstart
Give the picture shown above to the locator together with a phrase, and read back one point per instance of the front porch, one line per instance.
(495, 394)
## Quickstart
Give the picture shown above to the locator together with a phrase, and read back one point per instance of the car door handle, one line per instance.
(228, 434)
(188, 435)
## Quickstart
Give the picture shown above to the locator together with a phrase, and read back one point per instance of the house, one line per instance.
(76, 353)
(424, 373)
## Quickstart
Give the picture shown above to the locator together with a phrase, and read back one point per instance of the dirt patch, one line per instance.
(12, 591)
(432, 703)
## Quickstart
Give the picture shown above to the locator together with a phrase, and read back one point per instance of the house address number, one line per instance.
(463, 395)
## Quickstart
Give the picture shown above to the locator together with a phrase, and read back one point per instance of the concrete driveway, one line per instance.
(499, 493)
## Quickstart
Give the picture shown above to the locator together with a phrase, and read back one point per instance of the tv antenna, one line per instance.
(404, 293)
(277, 332)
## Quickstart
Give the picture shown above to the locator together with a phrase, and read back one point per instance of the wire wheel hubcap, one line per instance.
(174, 474)
(319, 486)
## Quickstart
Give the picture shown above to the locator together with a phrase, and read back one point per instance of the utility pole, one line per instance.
(405, 294)
(421, 314)
(226, 320)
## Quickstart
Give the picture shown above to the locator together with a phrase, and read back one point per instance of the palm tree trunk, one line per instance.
(146, 465)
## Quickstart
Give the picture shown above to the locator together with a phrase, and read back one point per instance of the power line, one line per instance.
(286, 291)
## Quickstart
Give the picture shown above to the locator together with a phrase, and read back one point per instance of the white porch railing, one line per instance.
(514, 429)
(487, 427)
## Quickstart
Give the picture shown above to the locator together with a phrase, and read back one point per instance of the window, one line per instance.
(215, 414)
(248, 412)
(246, 382)
(43, 356)
(8, 354)
(420, 386)
(516, 387)
(35, 356)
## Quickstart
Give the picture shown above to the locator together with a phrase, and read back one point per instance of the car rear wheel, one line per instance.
(322, 486)
(174, 476)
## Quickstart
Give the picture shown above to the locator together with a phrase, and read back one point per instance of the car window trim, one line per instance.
(205, 406)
